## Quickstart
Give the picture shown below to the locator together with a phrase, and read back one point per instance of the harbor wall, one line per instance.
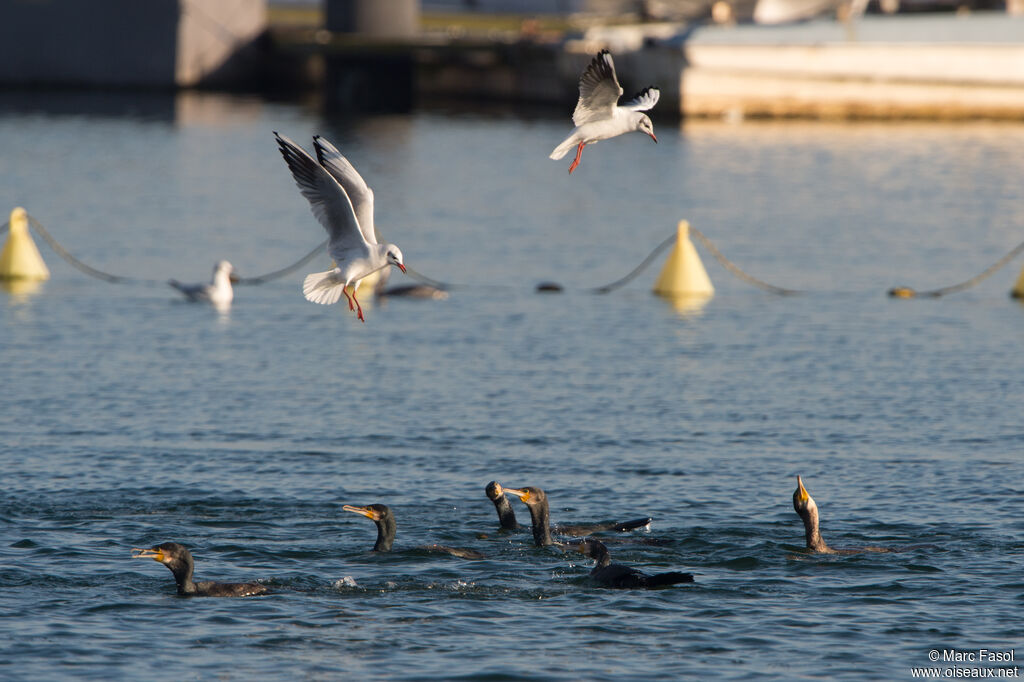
(126, 43)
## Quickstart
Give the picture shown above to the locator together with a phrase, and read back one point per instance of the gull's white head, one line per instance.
(644, 125)
(224, 269)
(394, 256)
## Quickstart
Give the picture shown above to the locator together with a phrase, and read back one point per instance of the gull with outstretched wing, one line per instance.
(343, 203)
(599, 115)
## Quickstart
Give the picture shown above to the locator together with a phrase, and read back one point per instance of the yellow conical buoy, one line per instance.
(20, 258)
(1018, 288)
(683, 274)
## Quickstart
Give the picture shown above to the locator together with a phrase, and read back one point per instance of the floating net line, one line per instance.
(118, 279)
(732, 268)
(907, 292)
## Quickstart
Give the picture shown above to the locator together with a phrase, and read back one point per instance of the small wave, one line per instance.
(348, 582)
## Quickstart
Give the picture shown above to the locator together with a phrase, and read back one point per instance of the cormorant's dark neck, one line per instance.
(601, 555)
(814, 539)
(506, 517)
(541, 523)
(183, 575)
(385, 534)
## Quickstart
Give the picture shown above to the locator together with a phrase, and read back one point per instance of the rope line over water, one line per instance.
(277, 274)
(735, 270)
(907, 292)
(900, 292)
(725, 262)
(120, 279)
(634, 273)
(638, 269)
(63, 253)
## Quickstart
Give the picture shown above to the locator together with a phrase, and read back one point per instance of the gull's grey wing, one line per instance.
(599, 90)
(643, 100)
(359, 193)
(193, 292)
(327, 198)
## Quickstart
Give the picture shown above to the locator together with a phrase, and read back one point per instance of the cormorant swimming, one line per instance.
(536, 500)
(179, 560)
(381, 515)
(608, 574)
(807, 508)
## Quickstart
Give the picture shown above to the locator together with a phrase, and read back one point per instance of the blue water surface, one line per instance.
(129, 417)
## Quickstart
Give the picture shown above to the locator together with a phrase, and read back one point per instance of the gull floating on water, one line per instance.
(598, 114)
(343, 203)
(218, 292)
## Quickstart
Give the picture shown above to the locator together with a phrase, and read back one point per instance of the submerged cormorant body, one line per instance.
(381, 515)
(608, 574)
(179, 560)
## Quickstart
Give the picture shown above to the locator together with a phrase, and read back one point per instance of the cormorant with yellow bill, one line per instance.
(381, 515)
(807, 509)
(179, 560)
(536, 500)
(506, 517)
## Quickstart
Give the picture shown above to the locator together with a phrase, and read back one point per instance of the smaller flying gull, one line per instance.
(598, 114)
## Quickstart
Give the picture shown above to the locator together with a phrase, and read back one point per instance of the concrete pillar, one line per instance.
(377, 18)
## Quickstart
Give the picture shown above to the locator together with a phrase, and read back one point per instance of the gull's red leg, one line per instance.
(579, 153)
(344, 290)
(359, 308)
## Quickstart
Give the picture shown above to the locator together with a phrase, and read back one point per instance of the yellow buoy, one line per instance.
(20, 258)
(1018, 288)
(684, 274)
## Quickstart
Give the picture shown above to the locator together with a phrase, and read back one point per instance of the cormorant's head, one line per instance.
(172, 555)
(803, 503)
(494, 491)
(381, 515)
(591, 548)
(394, 256)
(374, 512)
(167, 553)
(528, 495)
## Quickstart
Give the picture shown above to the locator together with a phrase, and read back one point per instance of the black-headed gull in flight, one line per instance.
(218, 291)
(343, 204)
(599, 115)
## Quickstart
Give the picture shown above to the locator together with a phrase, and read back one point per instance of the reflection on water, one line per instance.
(687, 304)
(20, 290)
(132, 104)
(180, 108)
